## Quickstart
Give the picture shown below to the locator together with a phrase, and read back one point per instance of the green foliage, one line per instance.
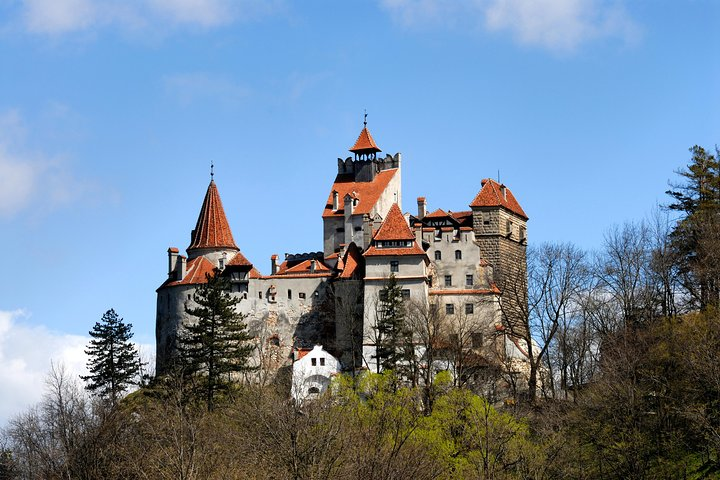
(216, 345)
(395, 350)
(114, 363)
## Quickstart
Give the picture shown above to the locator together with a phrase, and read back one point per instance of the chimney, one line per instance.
(172, 260)
(273, 264)
(182, 264)
(312, 265)
(503, 190)
(422, 207)
(348, 205)
(335, 200)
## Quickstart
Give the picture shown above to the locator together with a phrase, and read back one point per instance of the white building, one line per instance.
(313, 370)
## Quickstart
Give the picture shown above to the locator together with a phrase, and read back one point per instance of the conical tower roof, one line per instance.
(394, 227)
(365, 143)
(212, 229)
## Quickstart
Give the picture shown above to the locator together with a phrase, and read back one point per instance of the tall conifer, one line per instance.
(114, 361)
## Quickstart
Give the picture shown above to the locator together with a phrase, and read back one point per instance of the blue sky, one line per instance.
(112, 110)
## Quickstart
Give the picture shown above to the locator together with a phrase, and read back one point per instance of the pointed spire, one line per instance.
(365, 145)
(212, 229)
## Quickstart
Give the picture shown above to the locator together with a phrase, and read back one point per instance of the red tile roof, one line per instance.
(490, 195)
(367, 192)
(353, 263)
(365, 143)
(475, 291)
(439, 213)
(395, 252)
(303, 269)
(394, 227)
(239, 260)
(195, 273)
(212, 229)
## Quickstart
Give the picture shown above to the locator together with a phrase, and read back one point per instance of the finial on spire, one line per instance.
(212, 171)
(365, 119)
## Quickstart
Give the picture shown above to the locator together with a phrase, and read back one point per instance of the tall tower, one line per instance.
(500, 227)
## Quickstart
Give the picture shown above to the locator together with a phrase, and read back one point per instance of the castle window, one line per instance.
(244, 295)
(438, 255)
(448, 280)
(469, 280)
(450, 309)
(221, 263)
(357, 229)
(383, 295)
(406, 293)
(313, 391)
(458, 255)
(313, 361)
(301, 295)
(469, 308)
(322, 361)
(508, 227)
(189, 297)
(394, 266)
(260, 295)
(289, 294)
(340, 230)
(274, 340)
(477, 340)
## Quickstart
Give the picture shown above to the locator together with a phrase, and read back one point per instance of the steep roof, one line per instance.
(491, 195)
(212, 229)
(394, 227)
(365, 143)
(367, 193)
(439, 213)
(195, 273)
(353, 262)
(304, 269)
(239, 260)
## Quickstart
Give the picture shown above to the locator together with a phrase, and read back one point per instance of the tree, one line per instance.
(695, 234)
(114, 362)
(216, 345)
(394, 347)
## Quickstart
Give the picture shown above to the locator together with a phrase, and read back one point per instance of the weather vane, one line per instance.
(365, 119)
(212, 172)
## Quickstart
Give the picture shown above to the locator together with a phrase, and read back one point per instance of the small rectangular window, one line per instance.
(289, 294)
(448, 280)
(469, 308)
(458, 255)
(260, 295)
(322, 361)
(438, 255)
(301, 295)
(477, 340)
(469, 280)
(313, 361)
(406, 293)
(450, 309)
(395, 266)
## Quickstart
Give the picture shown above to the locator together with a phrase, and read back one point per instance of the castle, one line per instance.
(447, 263)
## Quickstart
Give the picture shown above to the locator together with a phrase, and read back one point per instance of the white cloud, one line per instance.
(26, 352)
(558, 25)
(58, 16)
(189, 87)
(31, 181)
(25, 355)
(55, 17)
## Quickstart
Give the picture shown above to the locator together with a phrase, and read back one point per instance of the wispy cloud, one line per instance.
(26, 352)
(31, 182)
(556, 25)
(56, 17)
(201, 86)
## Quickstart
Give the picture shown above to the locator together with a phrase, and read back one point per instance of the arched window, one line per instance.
(458, 255)
(438, 255)
(313, 390)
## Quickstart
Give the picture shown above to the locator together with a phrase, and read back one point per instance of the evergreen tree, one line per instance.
(694, 238)
(216, 345)
(114, 361)
(394, 349)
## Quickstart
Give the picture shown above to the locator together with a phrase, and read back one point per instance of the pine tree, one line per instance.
(694, 238)
(216, 345)
(114, 361)
(394, 348)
